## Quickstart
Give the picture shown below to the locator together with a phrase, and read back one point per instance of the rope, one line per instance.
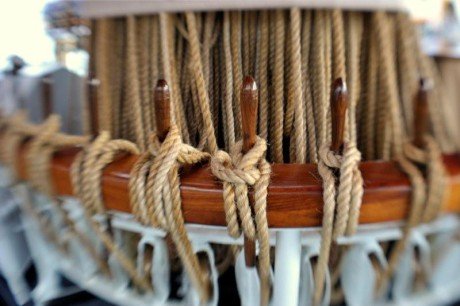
(319, 77)
(203, 57)
(371, 98)
(229, 127)
(309, 111)
(102, 51)
(263, 51)
(235, 40)
(169, 71)
(425, 202)
(341, 201)
(38, 159)
(41, 149)
(197, 72)
(354, 34)
(86, 175)
(12, 139)
(155, 197)
(431, 157)
(143, 36)
(338, 44)
(133, 98)
(278, 83)
(299, 105)
(237, 172)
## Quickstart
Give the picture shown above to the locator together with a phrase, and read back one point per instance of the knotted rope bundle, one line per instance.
(41, 150)
(427, 197)
(341, 203)
(39, 155)
(46, 141)
(237, 171)
(436, 180)
(86, 175)
(156, 201)
(13, 135)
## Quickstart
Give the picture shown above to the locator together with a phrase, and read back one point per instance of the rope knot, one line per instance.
(156, 200)
(237, 171)
(341, 202)
(239, 168)
(329, 158)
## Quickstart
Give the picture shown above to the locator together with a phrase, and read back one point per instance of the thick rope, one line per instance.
(237, 172)
(309, 109)
(263, 51)
(297, 93)
(38, 158)
(155, 197)
(132, 83)
(420, 200)
(197, 71)
(229, 127)
(86, 176)
(319, 77)
(235, 39)
(278, 84)
(341, 203)
(431, 157)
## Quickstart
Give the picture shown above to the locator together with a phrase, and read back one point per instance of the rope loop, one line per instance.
(237, 171)
(436, 182)
(239, 168)
(155, 197)
(39, 155)
(86, 174)
(342, 202)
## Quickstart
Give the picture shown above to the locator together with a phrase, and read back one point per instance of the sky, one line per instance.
(22, 31)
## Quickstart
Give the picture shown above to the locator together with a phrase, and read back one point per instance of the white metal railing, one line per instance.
(435, 246)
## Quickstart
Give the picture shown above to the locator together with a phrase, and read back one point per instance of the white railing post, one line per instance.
(287, 268)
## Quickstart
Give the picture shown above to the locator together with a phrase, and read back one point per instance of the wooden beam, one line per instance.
(294, 194)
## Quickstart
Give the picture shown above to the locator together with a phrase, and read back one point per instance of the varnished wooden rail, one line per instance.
(294, 194)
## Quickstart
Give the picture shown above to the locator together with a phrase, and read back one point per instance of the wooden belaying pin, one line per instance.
(93, 107)
(47, 96)
(249, 105)
(421, 112)
(339, 105)
(162, 109)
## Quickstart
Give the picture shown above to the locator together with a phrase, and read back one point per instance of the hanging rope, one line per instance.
(299, 143)
(197, 71)
(431, 157)
(86, 175)
(237, 172)
(155, 197)
(341, 203)
(132, 83)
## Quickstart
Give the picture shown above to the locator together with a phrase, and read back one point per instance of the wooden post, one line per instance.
(339, 104)
(47, 96)
(249, 105)
(421, 113)
(93, 104)
(162, 109)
